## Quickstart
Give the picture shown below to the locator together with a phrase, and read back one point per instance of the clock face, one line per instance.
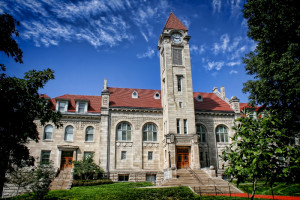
(176, 37)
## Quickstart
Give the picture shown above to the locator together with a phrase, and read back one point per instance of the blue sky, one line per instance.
(87, 41)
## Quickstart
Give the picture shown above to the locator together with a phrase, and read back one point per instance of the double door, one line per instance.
(182, 158)
(66, 159)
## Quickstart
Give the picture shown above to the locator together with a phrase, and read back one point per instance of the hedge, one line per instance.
(91, 182)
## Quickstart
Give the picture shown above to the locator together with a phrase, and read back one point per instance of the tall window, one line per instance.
(222, 134)
(69, 133)
(201, 131)
(178, 126)
(124, 132)
(185, 126)
(81, 107)
(62, 106)
(89, 134)
(177, 56)
(48, 132)
(150, 132)
(45, 157)
(150, 155)
(179, 81)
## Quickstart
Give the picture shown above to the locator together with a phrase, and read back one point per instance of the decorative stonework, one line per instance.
(136, 121)
(150, 145)
(124, 144)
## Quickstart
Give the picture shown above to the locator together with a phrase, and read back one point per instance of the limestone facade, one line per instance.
(137, 134)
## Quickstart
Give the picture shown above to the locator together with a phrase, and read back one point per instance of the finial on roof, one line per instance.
(174, 23)
(105, 85)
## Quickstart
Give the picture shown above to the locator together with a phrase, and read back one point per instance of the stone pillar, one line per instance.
(195, 153)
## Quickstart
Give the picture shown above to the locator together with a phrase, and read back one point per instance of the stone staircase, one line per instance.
(63, 181)
(201, 182)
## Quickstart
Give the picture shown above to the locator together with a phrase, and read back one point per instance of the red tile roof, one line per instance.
(174, 23)
(122, 97)
(94, 102)
(211, 102)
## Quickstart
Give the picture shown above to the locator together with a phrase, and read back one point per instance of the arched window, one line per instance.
(222, 134)
(124, 132)
(201, 131)
(89, 134)
(69, 133)
(150, 132)
(48, 132)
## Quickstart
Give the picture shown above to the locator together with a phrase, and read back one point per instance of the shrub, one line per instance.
(86, 169)
(91, 182)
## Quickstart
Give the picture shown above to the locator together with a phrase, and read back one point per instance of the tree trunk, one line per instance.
(272, 190)
(253, 188)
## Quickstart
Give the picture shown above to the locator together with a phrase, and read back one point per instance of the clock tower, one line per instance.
(181, 142)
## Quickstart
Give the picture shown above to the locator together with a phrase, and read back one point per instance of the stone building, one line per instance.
(144, 134)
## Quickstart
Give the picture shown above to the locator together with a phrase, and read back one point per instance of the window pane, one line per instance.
(69, 133)
(177, 56)
(119, 135)
(203, 137)
(150, 136)
(48, 132)
(154, 136)
(145, 136)
(128, 135)
(123, 135)
(45, 157)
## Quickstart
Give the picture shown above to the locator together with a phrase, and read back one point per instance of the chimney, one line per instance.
(222, 90)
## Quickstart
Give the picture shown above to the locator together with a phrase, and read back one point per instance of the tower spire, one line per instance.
(174, 23)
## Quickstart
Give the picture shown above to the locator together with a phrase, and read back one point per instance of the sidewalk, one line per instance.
(261, 196)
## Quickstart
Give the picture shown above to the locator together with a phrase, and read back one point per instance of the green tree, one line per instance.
(258, 151)
(20, 105)
(275, 26)
(86, 169)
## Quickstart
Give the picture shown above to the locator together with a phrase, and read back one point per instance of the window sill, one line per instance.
(89, 141)
(69, 141)
(48, 140)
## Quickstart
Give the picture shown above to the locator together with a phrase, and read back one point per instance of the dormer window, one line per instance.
(134, 95)
(156, 95)
(199, 98)
(62, 106)
(81, 106)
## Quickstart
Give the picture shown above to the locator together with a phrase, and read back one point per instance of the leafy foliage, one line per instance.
(259, 151)
(91, 182)
(42, 178)
(86, 169)
(7, 43)
(275, 26)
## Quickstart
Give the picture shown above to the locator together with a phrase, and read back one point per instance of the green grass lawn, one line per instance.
(283, 189)
(124, 191)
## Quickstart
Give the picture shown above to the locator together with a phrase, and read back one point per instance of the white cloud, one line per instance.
(216, 4)
(233, 72)
(145, 36)
(231, 64)
(223, 45)
(236, 7)
(214, 65)
(239, 53)
(148, 54)
(235, 43)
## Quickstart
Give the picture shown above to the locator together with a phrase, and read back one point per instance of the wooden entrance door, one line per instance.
(182, 158)
(66, 159)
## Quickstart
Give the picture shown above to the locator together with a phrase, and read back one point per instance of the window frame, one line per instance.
(185, 126)
(150, 132)
(201, 133)
(222, 136)
(66, 133)
(123, 155)
(121, 132)
(65, 107)
(178, 126)
(46, 133)
(150, 155)
(86, 154)
(179, 83)
(177, 57)
(45, 161)
(89, 134)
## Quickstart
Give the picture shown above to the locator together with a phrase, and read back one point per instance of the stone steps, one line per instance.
(206, 185)
(63, 181)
